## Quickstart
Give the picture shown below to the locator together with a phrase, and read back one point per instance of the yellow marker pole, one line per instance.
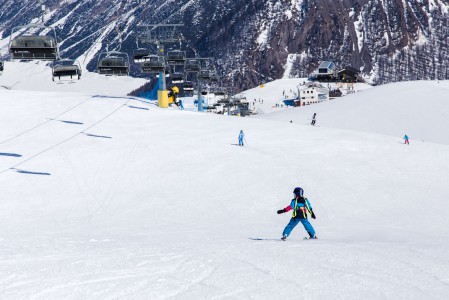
(162, 99)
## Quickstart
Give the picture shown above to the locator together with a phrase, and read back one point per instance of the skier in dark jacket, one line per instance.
(300, 206)
(313, 119)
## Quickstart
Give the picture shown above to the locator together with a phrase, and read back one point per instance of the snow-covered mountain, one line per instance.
(257, 41)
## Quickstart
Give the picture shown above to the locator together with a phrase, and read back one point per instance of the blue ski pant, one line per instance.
(240, 141)
(292, 224)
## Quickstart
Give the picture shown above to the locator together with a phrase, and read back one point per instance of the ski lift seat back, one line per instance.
(188, 86)
(204, 75)
(113, 63)
(33, 46)
(33, 42)
(176, 57)
(140, 55)
(153, 64)
(66, 68)
(177, 77)
(192, 65)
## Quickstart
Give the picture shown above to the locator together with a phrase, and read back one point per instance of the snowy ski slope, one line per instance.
(418, 108)
(109, 197)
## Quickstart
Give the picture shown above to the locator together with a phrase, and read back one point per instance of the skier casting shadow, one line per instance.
(300, 206)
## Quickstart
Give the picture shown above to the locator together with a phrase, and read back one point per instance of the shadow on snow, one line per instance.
(31, 172)
(99, 136)
(10, 154)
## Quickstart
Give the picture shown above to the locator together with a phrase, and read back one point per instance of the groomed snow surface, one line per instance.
(110, 197)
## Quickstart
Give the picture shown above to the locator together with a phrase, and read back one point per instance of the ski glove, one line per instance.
(281, 211)
(313, 215)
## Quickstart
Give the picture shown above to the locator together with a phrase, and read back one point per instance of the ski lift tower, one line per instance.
(160, 35)
(203, 76)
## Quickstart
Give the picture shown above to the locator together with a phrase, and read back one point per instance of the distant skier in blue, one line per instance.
(300, 206)
(181, 105)
(241, 138)
(406, 140)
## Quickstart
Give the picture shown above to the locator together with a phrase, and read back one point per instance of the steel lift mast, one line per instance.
(160, 35)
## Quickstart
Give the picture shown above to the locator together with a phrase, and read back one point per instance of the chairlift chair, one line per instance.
(214, 77)
(192, 65)
(177, 77)
(153, 64)
(204, 75)
(188, 86)
(166, 72)
(220, 91)
(65, 68)
(33, 46)
(1, 67)
(176, 57)
(140, 55)
(113, 63)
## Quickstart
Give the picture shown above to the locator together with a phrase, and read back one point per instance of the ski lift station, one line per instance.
(325, 71)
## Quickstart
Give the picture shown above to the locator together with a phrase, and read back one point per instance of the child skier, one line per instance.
(406, 140)
(241, 137)
(300, 207)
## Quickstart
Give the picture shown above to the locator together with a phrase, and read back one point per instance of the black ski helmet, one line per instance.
(298, 191)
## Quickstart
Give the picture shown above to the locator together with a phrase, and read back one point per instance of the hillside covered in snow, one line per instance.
(257, 41)
(106, 196)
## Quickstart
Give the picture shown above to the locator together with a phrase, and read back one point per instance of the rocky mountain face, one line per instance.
(254, 41)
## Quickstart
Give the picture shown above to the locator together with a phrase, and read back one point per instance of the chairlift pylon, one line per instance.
(33, 46)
